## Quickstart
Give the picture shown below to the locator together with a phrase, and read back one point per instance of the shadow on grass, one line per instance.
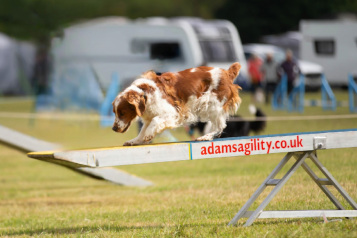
(89, 229)
(278, 221)
(113, 228)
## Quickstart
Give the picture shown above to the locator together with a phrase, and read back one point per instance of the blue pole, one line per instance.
(284, 101)
(296, 97)
(280, 94)
(352, 91)
(106, 108)
(301, 93)
(328, 98)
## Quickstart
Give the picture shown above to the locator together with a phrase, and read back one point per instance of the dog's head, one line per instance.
(126, 107)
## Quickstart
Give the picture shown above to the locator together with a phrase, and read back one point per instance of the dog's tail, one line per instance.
(233, 71)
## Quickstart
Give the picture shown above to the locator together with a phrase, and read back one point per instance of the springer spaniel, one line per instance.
(171, 100)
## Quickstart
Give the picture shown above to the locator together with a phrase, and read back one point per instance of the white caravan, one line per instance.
(331, 44)
(130, 47)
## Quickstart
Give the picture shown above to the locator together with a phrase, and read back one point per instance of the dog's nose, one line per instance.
(115, 128)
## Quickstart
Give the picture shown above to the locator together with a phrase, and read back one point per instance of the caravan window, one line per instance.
(157, 50)
(163, 51)
(139, 46)
(325, 47)
(217, 51)
(216, 43)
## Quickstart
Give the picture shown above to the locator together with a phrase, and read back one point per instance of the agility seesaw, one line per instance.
(26, 143)
(298, 146)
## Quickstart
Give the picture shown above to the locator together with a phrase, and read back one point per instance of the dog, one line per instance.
(171, 100)
(236, 125)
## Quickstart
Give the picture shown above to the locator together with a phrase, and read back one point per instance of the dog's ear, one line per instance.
(149, 75)
(168, 79)
(138, 101)
(113, 107)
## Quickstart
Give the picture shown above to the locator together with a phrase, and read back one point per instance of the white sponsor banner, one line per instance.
(251, 146)
(273, 144)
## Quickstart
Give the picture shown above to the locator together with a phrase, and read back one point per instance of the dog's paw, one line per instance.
(128, 143)
(205, 137)
(148, 138)
(136, 142)
(131, 143)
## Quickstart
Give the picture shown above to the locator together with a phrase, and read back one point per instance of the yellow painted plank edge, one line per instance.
(41, 154)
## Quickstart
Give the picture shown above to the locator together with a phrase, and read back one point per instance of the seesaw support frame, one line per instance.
(279, 183)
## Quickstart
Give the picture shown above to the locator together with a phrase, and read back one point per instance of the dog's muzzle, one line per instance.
(121, 130)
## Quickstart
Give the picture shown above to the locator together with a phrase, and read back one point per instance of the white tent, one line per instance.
(17, 60)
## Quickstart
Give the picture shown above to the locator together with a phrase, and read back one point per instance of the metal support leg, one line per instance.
(333, 181)
(279, 183)
(327, 192)
(260, 189)
(277, 188)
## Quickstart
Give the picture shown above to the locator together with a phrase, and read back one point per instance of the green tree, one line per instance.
(256, 18)
(36, 19)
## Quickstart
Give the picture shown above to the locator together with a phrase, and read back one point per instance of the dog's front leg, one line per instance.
(157, 125)
(148, 131)
(140, 138)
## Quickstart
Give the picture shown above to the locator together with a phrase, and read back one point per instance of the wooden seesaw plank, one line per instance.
(28, 143)
(128, 155)
(281, 143)
(24, 142)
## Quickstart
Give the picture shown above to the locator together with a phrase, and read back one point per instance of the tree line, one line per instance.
(38, 19)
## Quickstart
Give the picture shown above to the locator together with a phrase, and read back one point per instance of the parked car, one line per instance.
(311, 71)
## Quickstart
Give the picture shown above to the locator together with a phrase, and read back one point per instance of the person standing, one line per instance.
(269, 70)
(256, 76)
(290, 68)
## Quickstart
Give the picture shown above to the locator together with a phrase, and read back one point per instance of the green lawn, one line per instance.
(189, 199)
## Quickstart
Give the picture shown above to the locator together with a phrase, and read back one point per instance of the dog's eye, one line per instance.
(120, 113)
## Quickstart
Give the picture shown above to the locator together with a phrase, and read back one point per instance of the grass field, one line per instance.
(189, 199)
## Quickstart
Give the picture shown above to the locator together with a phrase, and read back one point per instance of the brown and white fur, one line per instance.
(171, 100)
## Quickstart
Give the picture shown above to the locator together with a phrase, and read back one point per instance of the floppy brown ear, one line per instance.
(138, 101)
(113, 107)
(140, 108)
(168, 79)
(149, 75)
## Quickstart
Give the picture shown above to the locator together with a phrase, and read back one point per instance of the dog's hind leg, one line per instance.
(210, 136)
(217, 127)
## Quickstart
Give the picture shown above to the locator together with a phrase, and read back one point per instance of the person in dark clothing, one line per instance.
(290, 68)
